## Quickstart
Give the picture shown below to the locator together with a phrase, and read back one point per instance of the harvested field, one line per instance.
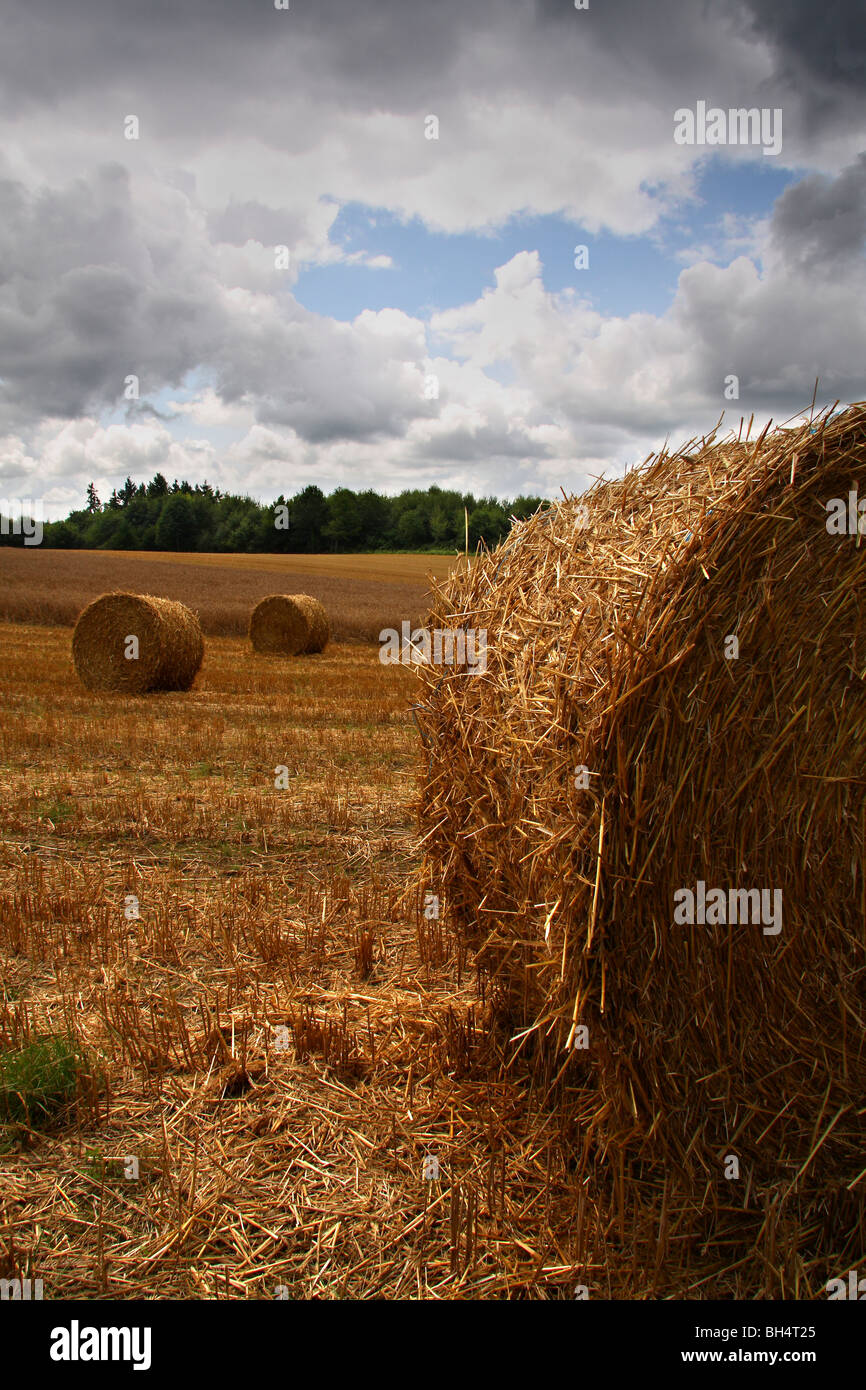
(263, 1023)
(280, 1036)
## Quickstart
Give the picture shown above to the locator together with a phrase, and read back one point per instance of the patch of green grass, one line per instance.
(39, 1080)
(103, 1169)
(199, 770)
(58, 811)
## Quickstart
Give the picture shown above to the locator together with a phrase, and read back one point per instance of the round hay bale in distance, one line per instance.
(136, 643)
(289, 625)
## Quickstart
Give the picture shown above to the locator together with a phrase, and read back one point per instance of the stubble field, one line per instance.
(265, 1017)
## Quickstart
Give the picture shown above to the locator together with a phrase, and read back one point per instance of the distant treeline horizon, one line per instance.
(180, 516)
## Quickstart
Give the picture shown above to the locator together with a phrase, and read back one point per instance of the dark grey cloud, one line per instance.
(817, 51)
(193, 66)
(238, 51)
(498, 441)
(819, 224)
(88, 295)
(820, 49)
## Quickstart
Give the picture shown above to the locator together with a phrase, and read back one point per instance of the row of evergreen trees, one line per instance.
(178, 516)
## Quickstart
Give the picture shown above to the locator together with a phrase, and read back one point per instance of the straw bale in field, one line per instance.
(289, 624)
(137, 643)
(647, 819)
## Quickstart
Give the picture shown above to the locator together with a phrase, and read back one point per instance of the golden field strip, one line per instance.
(363, 593)
(281, 1036)
(384, 569)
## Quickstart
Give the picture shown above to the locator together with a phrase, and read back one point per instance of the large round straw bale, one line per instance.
(166, 654)
(674, 707)
(289, 624)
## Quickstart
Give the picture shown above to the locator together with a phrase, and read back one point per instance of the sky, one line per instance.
(430, 171)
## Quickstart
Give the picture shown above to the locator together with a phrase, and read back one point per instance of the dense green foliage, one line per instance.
(159, 516)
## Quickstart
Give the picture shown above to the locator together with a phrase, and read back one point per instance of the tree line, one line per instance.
(179, 516)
